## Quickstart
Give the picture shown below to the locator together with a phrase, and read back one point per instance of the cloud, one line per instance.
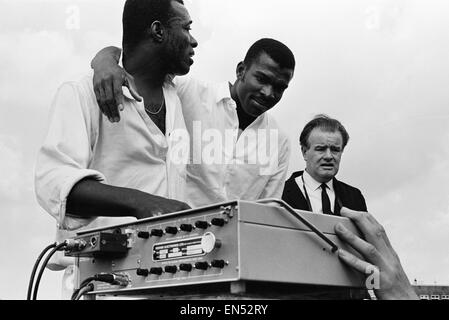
(12, 181)
(379, 66)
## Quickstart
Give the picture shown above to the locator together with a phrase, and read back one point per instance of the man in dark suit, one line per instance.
(316, 189)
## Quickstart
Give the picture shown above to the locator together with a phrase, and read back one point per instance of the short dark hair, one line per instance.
(326, 124)
(277, 51)
(138, 15)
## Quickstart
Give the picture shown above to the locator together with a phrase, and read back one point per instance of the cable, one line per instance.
(113, 279)
(43, 266)
(82, 285)
(298, 216)
(88, 288)
(36, 265)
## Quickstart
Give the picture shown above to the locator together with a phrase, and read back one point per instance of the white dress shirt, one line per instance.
(82, 143)
(211, 115)
(314, 190)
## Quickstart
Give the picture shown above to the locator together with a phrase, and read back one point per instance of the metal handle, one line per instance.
(298, 216)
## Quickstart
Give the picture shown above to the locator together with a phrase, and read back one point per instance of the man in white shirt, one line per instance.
(316, 189)
(237, 149)
(90, 173)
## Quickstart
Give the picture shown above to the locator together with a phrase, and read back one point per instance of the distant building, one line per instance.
(432, 292)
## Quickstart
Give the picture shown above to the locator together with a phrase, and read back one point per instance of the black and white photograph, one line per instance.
(207, 150)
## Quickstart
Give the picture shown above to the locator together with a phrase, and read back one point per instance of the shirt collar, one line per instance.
(314, 185)
(127, 93)
(224, 92)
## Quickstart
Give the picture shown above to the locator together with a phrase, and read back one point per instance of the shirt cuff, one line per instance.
(70, 222)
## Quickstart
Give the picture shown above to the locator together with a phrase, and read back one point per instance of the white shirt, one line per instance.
(81, 143)
(218, 173)
(314, 190)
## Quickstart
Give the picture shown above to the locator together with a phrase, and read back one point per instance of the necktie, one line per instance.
(326, 203)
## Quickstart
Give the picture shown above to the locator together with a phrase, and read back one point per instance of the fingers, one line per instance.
(158, 213)
(185, 206)
(102, 103)
(362, 219)
(178, 207)
(372, 230)
(356, 263)
(118, 95)
(351, 214)
(110, 101)
(135, 94)
(102, 100)
(367, 250)
(129, 83)
(169, 206)
(98, 94)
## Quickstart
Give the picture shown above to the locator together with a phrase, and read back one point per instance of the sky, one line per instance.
(379, 66)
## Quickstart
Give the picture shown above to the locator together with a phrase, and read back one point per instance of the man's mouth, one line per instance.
(191, 55)
(262, 104)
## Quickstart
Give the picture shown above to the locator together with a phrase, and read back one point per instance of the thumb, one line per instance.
(348, 213)
(130, 84)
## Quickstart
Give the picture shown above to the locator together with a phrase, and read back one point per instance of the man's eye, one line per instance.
(281, 88)
(261, 79)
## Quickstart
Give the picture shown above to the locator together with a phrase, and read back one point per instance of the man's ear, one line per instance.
(304, 151)
(157, 31)
(241, 69)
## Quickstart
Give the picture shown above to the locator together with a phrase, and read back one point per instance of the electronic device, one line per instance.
(240, 244)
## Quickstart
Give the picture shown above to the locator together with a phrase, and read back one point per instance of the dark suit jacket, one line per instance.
(346, 196)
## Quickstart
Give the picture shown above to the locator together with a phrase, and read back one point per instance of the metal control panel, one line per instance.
(236, 241)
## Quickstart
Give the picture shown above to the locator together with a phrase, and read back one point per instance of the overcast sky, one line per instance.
(380, 66)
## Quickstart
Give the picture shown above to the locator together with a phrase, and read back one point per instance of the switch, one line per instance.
(143, 272)
(218, 222)
(171, 230)
(209, 242)
(219, 264)
(144, 235)
(156, 271)
(157, 233)
(171, 269)
(201, 265)
(186, 227)
(202, 225)
(187, 267)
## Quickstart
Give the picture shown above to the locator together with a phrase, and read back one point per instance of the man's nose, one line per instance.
(328, 154)
(268, 91)
(193, 42)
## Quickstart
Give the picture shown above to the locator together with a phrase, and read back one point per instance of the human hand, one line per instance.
(109, 78)
(149, 206)
(377, 255)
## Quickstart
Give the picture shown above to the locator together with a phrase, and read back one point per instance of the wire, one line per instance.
(298, 216)
(113, 279)
(82, 285)
(88, 288)
(36, 265)
(43, 266)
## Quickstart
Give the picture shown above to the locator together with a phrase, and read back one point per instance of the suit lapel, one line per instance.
(338, 198)
(294, 194)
